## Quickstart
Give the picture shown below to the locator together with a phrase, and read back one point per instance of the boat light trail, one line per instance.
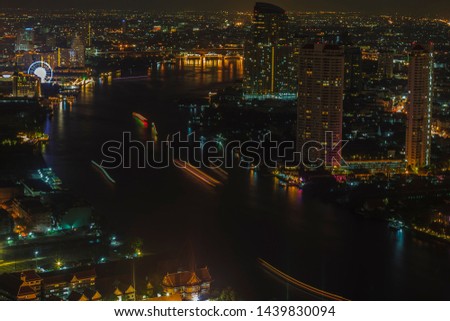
(103, 171)
(299, 284)
(197, 173)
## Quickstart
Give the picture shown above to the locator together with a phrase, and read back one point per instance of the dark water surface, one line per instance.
(250, 216)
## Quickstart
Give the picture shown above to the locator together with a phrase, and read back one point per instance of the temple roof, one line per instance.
(87, 274)
(58, 278)
(13, 285)
(25, 290)
(30, 275)
(203, 274)
(185, 278)
(181, 279)
(92, 294)
(76, 296)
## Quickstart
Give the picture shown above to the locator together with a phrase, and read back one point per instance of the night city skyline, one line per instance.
(439, 8)
(225, 151)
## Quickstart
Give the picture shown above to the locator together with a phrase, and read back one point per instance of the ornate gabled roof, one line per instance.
(76, 296)
(25, 290)
(30, 275)
(203, 274)
(184, 278)
(55, 279)
(83, 275)
(92, 294)
(64, 277)
(13, 285)
(129, 290)
(117, 292)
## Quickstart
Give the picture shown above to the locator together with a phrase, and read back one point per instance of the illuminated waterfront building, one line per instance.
(320, 97)
(191, 285)
(269, 65)
(15, 84)
(420, 100)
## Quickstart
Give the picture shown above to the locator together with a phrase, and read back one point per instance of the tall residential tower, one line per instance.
(320, 98)
(420, 100)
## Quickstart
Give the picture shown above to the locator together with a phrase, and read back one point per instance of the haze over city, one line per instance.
(412, 7)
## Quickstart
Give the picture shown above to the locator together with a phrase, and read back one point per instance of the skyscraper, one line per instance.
(320, 98)
(353, 82)
(269, 66)
(420, 100)
(353, 72)
(385, 64)
(25, 40)
(79, 52)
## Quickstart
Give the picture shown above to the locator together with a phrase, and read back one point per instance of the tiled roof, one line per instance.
(88, 274)
(25, 290)
(65, 277)
(76, 296)
(55, 279)
(185, 278)
(12, 285)
(90, 294)
(30, 275)
(203, 274)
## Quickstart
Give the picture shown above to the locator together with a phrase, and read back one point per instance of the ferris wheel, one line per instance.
(42, 70)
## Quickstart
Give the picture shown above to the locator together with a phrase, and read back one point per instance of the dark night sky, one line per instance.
(418, 7)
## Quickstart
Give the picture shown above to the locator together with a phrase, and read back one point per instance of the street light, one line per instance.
(36, 253)
(59, 264)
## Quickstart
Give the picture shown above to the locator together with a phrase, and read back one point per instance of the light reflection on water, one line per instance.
(250, 216)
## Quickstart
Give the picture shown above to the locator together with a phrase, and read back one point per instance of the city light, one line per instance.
(347, 200)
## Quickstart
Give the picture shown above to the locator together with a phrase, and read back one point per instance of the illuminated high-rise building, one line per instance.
(79, 52)
(420, 100)
(353, 70)
(269, 65)
(385, 64)
(25, 40)
(320, 98)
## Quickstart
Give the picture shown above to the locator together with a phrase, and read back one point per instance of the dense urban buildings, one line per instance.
(73, 228)
(419, 106)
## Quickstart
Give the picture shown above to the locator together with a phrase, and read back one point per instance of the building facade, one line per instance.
(25, 40)
(78, 50)
(61, 285)
(420, 101)
(320, 99)
(353, 70)
(192, 286)
(385, 64)
(269, 64)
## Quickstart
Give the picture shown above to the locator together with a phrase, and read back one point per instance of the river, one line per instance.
(227, 228)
